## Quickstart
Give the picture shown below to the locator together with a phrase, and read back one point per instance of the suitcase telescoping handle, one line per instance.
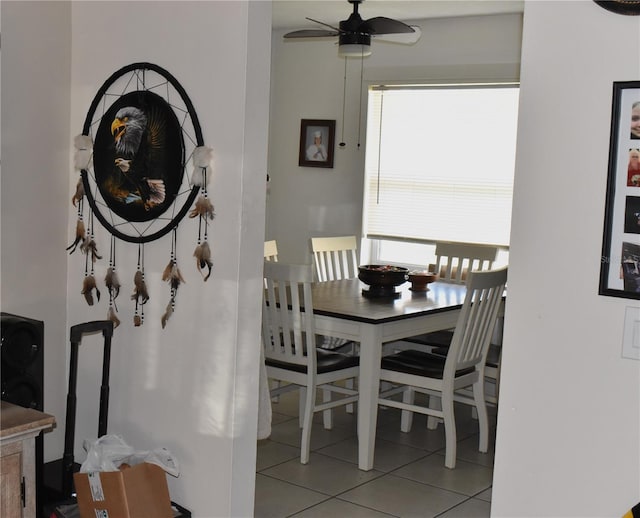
(77, 331)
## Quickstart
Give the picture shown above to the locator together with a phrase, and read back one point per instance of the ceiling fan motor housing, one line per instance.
(351, 29)
(354, 38)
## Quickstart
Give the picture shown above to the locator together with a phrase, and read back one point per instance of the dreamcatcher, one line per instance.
(140, 138)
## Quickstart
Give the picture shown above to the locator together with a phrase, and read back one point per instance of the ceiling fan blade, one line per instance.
(405, 38)
(382, 25)
(311, 33)
(322, 23)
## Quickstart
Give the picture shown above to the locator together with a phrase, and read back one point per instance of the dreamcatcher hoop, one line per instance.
(153, 86)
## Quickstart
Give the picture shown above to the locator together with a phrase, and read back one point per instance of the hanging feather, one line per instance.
(112, 282)
(88, 285)
(167, 270)
(168, 312)
(172, 275)
(202, 208)
(202, 157)
(80, 236)
(90, 248)
(140, 293)
(111, 279)
(79, 194)
(111, 315)
(202, 253)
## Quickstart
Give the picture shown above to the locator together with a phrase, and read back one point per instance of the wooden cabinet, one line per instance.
(18, 429)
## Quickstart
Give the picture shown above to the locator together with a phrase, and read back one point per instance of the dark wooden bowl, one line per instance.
(382, 279)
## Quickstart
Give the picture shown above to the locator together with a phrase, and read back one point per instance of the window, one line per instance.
(440, 163)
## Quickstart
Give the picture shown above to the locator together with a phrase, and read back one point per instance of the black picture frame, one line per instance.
(626, 7)
(138, 82)
(620, 261)
(312, 153)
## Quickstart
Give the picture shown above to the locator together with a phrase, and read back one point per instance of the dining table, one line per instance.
(344, 309)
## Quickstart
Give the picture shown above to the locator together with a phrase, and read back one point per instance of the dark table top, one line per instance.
(344, 299)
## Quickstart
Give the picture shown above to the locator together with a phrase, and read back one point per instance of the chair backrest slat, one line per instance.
(474, 329)
(335, 258)
(287, 334)
(455, 260)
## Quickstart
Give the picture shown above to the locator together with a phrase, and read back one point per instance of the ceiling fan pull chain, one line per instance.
(344, 99)
(360, 106)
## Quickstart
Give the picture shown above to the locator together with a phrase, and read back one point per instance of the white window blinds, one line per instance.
(440, 162)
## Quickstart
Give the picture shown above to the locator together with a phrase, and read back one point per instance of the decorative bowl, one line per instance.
(382, 279)
(420, 278)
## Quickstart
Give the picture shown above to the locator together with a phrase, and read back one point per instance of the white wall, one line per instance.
(191, 387)
(35, 194)
(307, 83)
(569, 423)
(568, 439)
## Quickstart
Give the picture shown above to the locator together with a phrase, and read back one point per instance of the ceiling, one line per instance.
(291, 14)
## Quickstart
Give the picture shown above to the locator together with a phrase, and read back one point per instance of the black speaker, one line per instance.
(22, 361)
(22, 373)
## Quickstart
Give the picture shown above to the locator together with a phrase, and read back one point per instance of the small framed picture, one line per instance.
(620, 261)
(317, 139)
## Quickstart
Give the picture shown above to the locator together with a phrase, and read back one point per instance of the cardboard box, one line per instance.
(139, 491)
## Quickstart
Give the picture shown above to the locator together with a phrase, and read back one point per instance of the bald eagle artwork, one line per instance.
(138, 156)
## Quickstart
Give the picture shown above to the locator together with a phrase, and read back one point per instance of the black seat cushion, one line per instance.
(493, 356)
(419, 363)
(327, 361)
(436, 338)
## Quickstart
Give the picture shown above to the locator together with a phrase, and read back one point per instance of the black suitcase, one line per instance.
(60, 501)
(58, 474)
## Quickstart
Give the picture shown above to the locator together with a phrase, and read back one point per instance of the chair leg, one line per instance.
(349, 384)
(305, 442)
(302, 396)
(327, 415)
(483, 418)
(449, 431)
(406, 419)
(432, 421)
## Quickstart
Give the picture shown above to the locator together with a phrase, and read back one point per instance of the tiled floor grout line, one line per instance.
(437, 487)
(329, 496)
(367, 507)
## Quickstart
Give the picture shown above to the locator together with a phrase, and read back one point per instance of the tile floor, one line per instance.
(409, 478)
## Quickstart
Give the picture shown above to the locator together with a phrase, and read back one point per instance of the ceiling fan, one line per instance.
(354, 33)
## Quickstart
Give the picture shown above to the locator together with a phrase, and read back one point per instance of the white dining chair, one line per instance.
(271, 254)
(491, 371)
(454, 260)
(335, 258)
(289, 342)
(443, 379)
